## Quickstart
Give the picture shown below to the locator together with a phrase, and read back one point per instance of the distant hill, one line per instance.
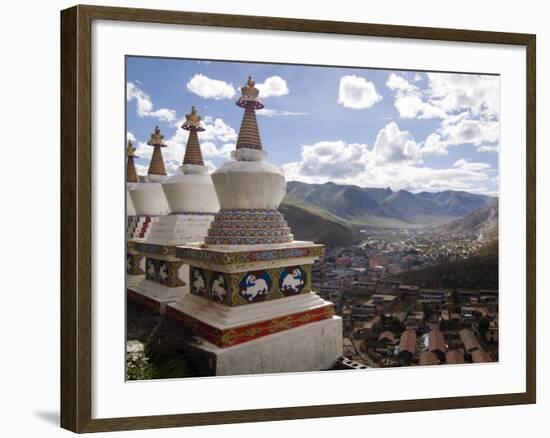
(482, 221)
(308, 224)
(477, 272)
(383, 208)
(457, 203)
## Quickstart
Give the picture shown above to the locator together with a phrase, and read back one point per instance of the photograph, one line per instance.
(288, 218)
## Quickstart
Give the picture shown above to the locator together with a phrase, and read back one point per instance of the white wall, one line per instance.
(30, 302)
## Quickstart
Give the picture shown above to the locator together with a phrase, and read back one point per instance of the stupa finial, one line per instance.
(157, 139)
(249, 95)
(131, 150)
(193, 121)
(156, 167)
(131, 173)
(193, 154)
(249, 135)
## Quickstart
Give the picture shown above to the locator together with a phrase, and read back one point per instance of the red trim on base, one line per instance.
(238, 335)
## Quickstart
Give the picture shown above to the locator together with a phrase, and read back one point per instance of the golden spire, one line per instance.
(249, 95)
(249, 135)
(131, 150)
(156, 166)
(249, 90)
(156, 138)
(131, 173)
(193, 154)
(192, 120)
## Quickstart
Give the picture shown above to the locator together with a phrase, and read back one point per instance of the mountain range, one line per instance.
(377, 207)
(333, 214)
(484, 221)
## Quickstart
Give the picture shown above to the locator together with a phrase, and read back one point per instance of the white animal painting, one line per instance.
(293, 281)
(218, 288)
(151, 270)
(254, 287)
(163, 273)
(198, 282)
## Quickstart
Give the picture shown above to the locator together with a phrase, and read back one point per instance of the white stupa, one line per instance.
(136, 225)
(192, 201)
(251, 301)
(148, 196)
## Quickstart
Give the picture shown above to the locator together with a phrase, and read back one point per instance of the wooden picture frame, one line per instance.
(76, 217)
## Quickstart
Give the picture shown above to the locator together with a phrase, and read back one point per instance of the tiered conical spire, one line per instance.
(156, 167)
(193, 154)
(131, 174)
(249, 135)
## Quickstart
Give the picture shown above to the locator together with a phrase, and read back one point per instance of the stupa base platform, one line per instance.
(226, 326)
(155, 296)
(311, 347)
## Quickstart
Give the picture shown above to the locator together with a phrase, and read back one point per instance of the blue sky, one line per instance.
(378, 128)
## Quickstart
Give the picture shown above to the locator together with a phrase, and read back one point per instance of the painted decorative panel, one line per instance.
(254, 286)
(250, 287)
(163, 272)
(219, 286)
(198, 281)
(292, 280)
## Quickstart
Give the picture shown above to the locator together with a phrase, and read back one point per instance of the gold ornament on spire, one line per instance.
(131, 150)
(192, 120)
(156, 138)
(249, 97)
(249, 91)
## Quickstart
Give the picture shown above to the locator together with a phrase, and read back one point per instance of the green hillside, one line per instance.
(307, 224)
(382, 207)
(477, 272)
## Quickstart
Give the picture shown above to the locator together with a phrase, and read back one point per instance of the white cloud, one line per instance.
(330, 159)
(409, 100)
(130, 136)
(143, 101)
(274, 86)
(461, 129)
(217, 130)
(488, 148)
(141, 169)
(143, 150)
(470, 131)
(208, 88)
(467, 104)
(434, 146)
(396, 82)
(269, 112)
(210, 149)
(471, 165)
(411, 106)
(144, 105)
(478, 94)
(394, 161)
(357, 93)
(164, 114)
(393, 145)
(445, 95)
